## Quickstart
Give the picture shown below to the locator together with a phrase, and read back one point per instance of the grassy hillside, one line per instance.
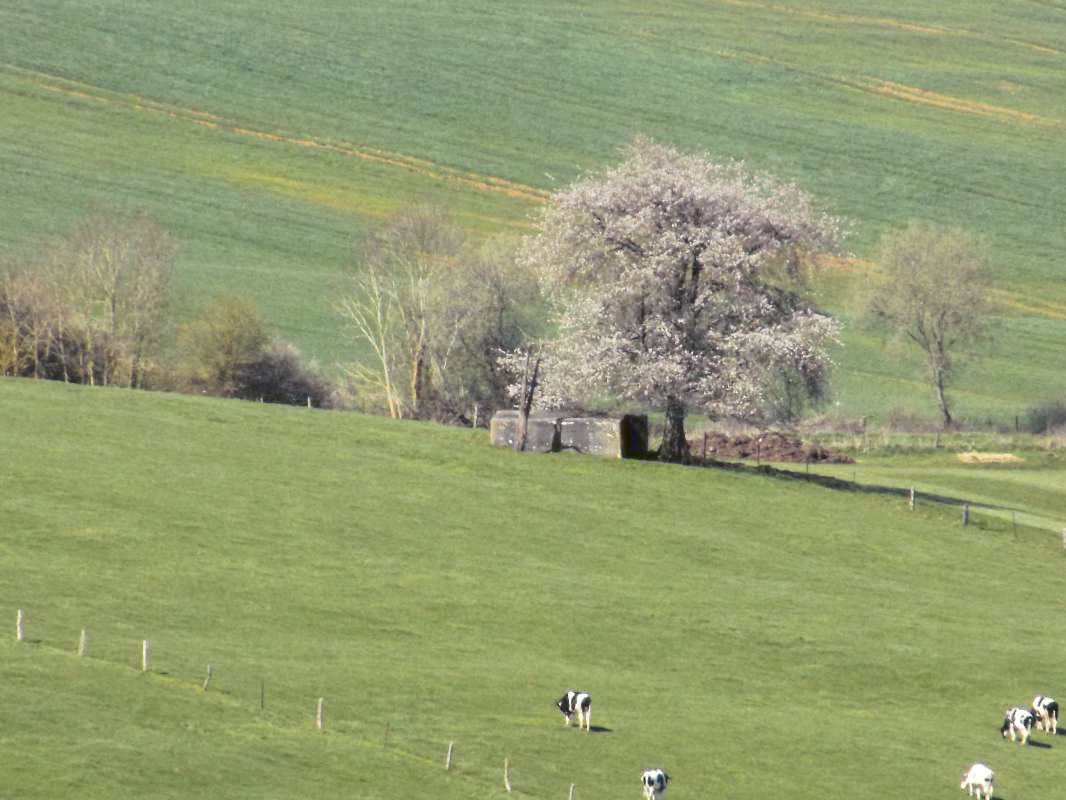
(755, 636)
(269, 136)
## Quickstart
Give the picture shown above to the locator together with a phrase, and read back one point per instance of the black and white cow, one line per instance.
(979, 778)
(1046, 713)
(654, 782)
(575, 702)
(1017, 721)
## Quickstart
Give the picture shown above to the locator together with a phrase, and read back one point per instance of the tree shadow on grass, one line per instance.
(839, 484)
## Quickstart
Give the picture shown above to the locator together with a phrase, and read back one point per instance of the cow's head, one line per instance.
(563, 704)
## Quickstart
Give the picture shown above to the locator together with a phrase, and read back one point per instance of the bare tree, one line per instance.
(673, 278)
(486, 305)
(391, 302)
(92, 307)
(123, 270)
(935, 295)
(370, 311)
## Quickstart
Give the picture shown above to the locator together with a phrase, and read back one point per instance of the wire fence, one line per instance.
(323, 715)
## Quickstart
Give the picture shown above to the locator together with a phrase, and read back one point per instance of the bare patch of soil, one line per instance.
(765, 447)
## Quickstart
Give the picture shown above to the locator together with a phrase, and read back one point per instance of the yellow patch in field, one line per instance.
(1040, 48)
(84, 91)
(850, 19)
(989, 458)
(301, 190)
(1039, 308)
(946, 102)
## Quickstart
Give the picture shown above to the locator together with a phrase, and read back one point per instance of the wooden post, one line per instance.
(507, 774)
(83, 642)
(448, 760)
(910, 503)
(308, 401)
(207, 680)
(320, 714)
(146, 652)
(20, 626)
(966, 514)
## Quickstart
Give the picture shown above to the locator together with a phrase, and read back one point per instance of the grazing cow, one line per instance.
(1046, 712)
(575, 702)
(1017, 721)
(979, 779)
(654, 782)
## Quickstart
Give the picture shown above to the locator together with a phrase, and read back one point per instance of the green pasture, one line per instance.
(755, 635)
(1026, 488)
(269, 136)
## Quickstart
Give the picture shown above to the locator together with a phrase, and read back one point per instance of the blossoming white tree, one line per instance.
(674, 280)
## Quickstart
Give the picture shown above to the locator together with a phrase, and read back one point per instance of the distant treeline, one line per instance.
(96, 308)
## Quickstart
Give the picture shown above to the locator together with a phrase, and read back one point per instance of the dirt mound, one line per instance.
(765, 447)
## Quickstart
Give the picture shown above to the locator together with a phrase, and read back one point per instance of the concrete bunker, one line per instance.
(609, 435)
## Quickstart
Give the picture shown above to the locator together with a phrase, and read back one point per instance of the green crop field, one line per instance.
(268, 137)
(756, 636)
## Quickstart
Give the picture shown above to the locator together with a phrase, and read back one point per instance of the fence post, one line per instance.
(320, 714)
(571, 797)
(20, 626)
(448, 760)
(146, 652)
(207, 680)
(507, 774)
(83, 642)
(966, 514)
(910, 503)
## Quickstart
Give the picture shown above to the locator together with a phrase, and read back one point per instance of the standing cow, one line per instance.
(1046, 712)
(979, 778)
(654, 782)
(1017, 721)
(575, 702)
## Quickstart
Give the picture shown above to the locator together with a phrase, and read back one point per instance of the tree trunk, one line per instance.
(418, 382)
(942, 399)
(675, 446)
(525, 404)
